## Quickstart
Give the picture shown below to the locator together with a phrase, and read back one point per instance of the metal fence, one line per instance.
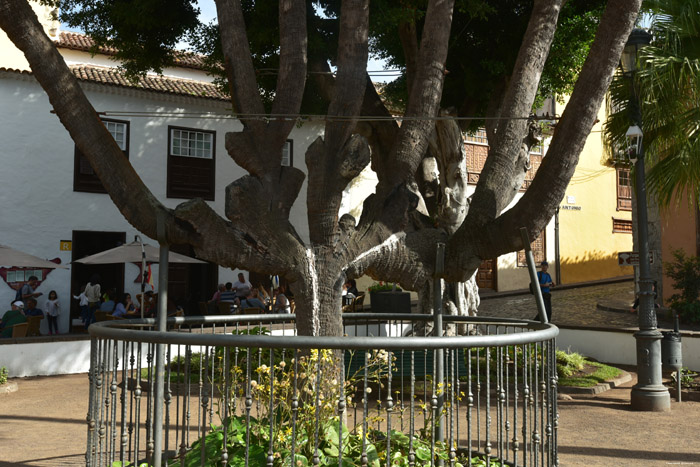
(245, 390)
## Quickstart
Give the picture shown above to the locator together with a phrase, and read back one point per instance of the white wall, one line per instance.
(620, 347)
(40, 207)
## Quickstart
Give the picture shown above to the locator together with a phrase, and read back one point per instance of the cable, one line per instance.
(309, 117)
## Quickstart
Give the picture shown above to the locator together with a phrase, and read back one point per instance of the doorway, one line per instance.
(189, 284)
(88, 242)
(486, 275)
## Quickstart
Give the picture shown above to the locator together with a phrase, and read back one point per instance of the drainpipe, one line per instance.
(557, 261)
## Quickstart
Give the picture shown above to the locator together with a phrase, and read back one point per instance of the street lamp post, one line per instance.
(649, 394)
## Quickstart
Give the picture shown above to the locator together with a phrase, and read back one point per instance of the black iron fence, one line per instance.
(245, 390)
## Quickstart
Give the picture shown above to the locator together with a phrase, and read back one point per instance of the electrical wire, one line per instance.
(301, 118)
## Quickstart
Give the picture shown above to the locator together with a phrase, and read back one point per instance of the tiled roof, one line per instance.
(184, 87)
(160, 84)
(76, 41)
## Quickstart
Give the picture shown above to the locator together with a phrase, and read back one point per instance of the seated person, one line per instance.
(228, 295)
(150, 303)
(126, 306)
(108, 305)
(12, 317)
(281, 301)
(262, 294)
(217, 295)
(251, 301)
(350, 289)
(31, 309)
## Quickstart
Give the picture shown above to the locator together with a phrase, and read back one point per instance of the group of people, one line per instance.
(25, 305)
(241, 295)
(91, 299)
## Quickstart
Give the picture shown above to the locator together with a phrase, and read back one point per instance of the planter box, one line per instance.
(390, 302)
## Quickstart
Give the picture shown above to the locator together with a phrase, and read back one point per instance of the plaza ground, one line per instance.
(43, 423)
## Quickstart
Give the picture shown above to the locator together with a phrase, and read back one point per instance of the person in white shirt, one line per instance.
(241, 287)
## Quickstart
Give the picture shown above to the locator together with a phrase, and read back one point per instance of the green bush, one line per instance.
(685, 273)
(3, 375)
(569, 363)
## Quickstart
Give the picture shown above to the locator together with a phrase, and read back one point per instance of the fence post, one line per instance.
(437, 331)
(160, 348)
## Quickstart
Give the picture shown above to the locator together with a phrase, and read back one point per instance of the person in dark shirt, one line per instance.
(31, 309)
(546, 284)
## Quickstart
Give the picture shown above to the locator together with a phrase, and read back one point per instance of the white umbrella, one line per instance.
(136, 252)
(9, 257)
(132, 253)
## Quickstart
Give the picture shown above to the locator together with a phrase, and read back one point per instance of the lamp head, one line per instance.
(634, 142)
(638, 39)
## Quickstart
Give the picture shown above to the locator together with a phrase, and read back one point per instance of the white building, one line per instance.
(53, 205)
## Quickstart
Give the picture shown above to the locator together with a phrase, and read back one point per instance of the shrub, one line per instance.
(3, 375)
(685, 273)
(569, 363)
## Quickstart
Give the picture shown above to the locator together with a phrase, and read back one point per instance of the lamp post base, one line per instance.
(649, 394)
(651, 399)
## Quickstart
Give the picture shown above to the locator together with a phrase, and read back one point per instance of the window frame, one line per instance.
(177, 192)
(624, 202)
(288, 144)
(90, 182)
(622, 225)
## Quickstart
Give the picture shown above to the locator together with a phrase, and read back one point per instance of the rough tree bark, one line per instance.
(384, 243)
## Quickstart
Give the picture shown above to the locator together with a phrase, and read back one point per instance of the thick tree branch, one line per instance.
(404, 258)
(291, 79)
(424, 97)
(538, 204)
(239, 62)
(76, 113)
(337, 149)
(502, 165)
(409, 43)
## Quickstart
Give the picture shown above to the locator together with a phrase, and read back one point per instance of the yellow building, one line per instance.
(595, 216)
(593, 225)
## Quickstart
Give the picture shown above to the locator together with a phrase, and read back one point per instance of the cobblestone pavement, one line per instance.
(575, 307)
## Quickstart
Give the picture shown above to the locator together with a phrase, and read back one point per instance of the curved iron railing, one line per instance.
(245, 390)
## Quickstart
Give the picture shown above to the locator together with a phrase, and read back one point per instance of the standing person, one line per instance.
(28, 290)
(546, 284)
(241, 287)
(53, 309)
(93, 294)
(83, 304)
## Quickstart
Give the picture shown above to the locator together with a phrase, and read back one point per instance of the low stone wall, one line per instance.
(619, 346)
(38, 356)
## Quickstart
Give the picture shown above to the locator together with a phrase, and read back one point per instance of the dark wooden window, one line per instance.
(622, 226)
(476, 147)
(191, 163)
(538, 251)
(624, 189)
(84, 177)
